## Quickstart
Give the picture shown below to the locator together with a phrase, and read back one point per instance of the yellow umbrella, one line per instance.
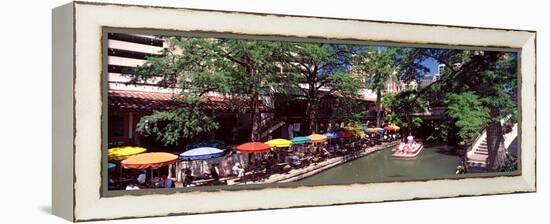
(122, 153)
(395, 127)
(357, 131)
(317, 138)
(279, 143)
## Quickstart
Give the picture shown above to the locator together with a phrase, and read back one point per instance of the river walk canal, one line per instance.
(435, 161)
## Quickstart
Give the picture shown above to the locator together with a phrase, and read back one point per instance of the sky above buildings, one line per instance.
(432, 65)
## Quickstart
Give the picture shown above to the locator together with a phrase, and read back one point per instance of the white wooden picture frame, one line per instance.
(78, 29)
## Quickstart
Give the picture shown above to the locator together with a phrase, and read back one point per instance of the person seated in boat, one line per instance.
(406, 148)
(413, 146)
(399, 148)
(410, 139)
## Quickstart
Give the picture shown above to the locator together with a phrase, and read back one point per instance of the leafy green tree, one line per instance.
(255, 72)
(403, 106)
(235, 69)
(317, 69)
(489, 75)
(378, 66)
(170, 126)
(479, 88)
(468, 112)
(194, 78)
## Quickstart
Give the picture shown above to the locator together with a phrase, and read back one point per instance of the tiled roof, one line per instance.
(148, 101)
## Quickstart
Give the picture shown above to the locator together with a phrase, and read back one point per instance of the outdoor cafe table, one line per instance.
(198, 156)
(150, 160)
(122, 153)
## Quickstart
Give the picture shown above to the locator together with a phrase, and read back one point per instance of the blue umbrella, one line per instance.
(332, 135)
(380, 130)
(202, 153)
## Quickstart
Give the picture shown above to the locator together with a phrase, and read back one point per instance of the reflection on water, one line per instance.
(432, 162)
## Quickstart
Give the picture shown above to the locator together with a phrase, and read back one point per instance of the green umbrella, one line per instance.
(300, 140)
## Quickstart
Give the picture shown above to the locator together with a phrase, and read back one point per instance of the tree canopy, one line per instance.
(318, 69)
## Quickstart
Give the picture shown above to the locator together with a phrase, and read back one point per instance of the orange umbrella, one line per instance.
(315, 138)
(149, 160)
(252, 147)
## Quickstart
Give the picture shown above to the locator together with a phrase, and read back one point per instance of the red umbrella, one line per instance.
(253, 147)
(344, 134)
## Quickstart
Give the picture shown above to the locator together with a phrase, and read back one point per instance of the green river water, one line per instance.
(434, 161)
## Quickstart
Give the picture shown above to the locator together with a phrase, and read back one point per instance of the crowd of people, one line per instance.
(144, 181)
(282, 160)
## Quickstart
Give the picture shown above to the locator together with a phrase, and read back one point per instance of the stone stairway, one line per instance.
(483, 148)
(477, 158)
(270, 127)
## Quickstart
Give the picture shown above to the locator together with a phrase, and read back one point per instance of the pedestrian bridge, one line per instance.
(431, 113)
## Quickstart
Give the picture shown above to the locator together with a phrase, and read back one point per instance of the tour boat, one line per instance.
(405, 151)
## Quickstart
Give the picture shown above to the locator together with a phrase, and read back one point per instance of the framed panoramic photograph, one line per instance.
(164, 108)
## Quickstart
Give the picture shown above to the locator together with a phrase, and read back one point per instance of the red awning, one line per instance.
(148, 101)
